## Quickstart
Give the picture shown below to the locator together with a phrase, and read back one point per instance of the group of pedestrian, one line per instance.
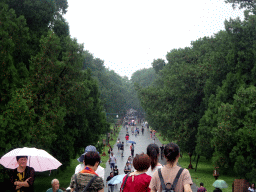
(150, 175)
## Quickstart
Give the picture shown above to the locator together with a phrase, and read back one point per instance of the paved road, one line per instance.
(142, 142)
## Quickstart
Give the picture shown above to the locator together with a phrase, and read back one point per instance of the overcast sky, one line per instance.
(128, 35)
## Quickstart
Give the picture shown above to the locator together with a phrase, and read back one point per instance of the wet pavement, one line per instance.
(142, 141)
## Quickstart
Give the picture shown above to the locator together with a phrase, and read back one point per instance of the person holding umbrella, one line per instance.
(22, 178)
(218, 184)
(110, 186)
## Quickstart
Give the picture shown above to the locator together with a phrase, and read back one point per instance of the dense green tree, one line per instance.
(14, 99)
(158, 65)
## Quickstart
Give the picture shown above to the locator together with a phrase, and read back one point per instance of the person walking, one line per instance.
(122, 149)
(136, 132)
(138, 180)
(127, 137)
(201, 188)
(162, 151)
(142, 130)
(153, 153)
(116, 171)
(132, 150)
(170, 171)
(80, 180)
(100, 170)
(127, 168)
(112, 161)
(118, 142)
(132, 130)
(110, 186)
(110, 150)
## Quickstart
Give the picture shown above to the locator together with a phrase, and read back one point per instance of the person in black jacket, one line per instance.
(22, 178)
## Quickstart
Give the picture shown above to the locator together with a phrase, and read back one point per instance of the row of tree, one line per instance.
(55, 95)
(204, 97)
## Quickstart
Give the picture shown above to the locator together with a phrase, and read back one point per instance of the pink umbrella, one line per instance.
(39, 159)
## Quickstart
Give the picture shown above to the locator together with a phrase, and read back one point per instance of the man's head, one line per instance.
(112, 153)
(111, 174)
(201, 184)
(55, 184)
(22, 160)
(92, 158)
(87, 149)
(115, 166)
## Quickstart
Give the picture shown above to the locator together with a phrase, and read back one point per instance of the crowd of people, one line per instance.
(143, 172)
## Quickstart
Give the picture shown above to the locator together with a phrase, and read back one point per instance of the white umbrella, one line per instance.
(39, 159)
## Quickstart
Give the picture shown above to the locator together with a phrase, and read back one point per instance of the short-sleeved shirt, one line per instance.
(169, 175)
(112, 159)
(83, 179)
(201, 189)
(140, 183)
(116, 172)
(150, 172)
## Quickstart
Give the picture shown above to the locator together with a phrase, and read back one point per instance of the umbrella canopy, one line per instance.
(220, 184)
(39, 159)
(117, 179)
(131, 142)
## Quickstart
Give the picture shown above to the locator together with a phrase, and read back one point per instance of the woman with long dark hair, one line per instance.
(153, 153)
(169, 172)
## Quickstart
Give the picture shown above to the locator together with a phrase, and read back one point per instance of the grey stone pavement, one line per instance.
(142, 141)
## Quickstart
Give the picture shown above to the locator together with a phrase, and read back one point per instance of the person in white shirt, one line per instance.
(100, 171)
(153, 153)
(252, 188)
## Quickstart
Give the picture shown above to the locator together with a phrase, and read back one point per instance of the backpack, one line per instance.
(172, 188)
(88, 185)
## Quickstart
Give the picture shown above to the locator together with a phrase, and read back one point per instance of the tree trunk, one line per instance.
(198, 156)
